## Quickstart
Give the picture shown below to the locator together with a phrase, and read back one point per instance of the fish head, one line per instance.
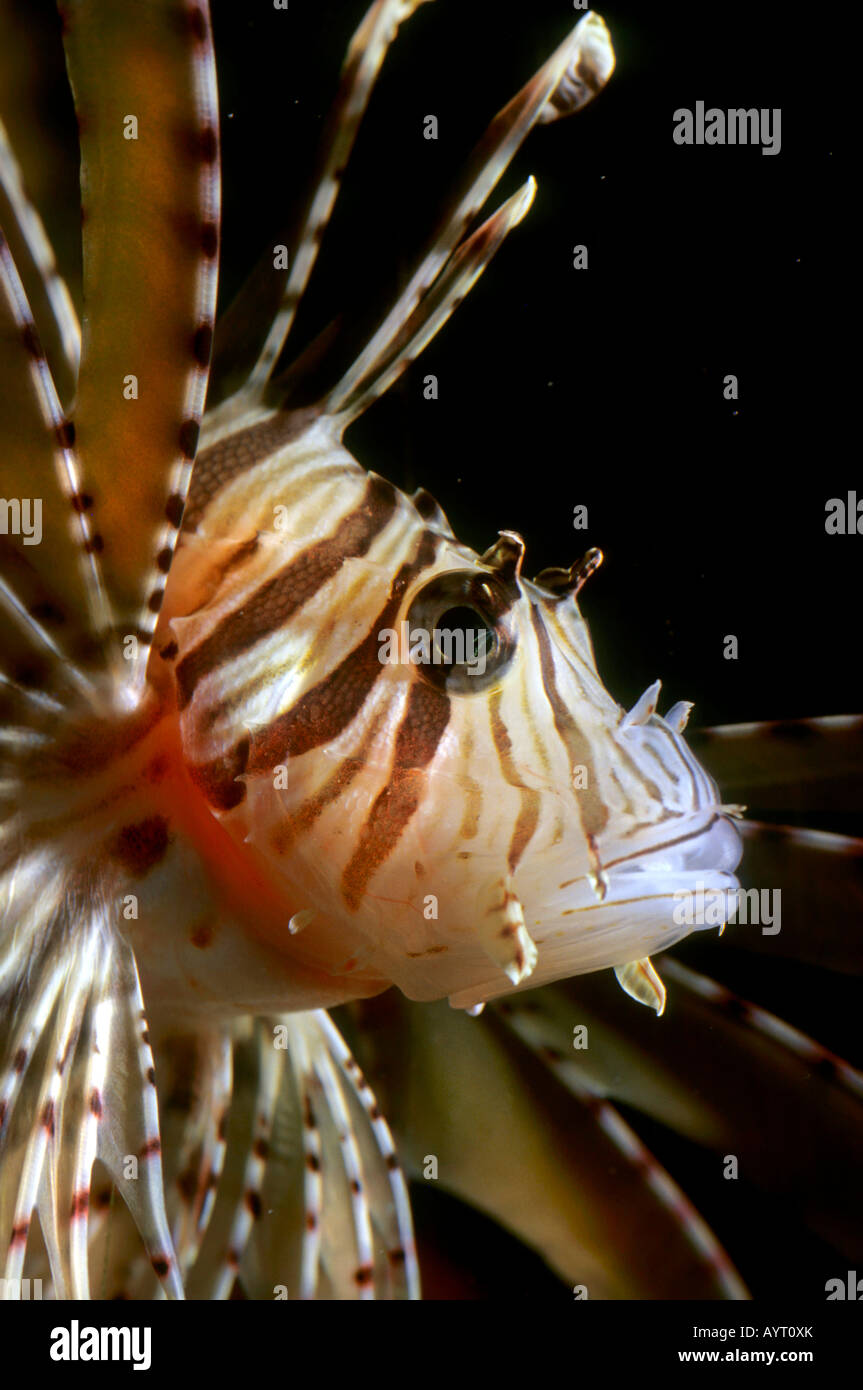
(425, 755)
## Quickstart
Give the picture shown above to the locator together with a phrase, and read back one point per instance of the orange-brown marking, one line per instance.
(420, 732)
(138, 847)
(202, 935)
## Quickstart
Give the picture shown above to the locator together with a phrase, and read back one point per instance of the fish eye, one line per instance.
(461, 636)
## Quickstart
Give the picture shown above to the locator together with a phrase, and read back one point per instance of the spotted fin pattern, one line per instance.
(144, 85)
(309, 1197)
(88, 1022)
(51, 592)
(46, 290)
(583, 1204)
(362, 64)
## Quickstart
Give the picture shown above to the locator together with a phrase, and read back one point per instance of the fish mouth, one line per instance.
(640, 899)
(708, 841)
(669, 874)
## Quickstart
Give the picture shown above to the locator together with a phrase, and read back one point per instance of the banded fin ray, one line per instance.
(247, 1205)
(48, 295)
(51, 593)
(714, 1061)
(363, 62)
(197, 1078)
(382, 1172)
(820, 877)
(355, 393)
(588, 42)
(143, 79)
(584, 1207)
(311, 1196)
(795, 767)
(77, 1084)
(782, 765)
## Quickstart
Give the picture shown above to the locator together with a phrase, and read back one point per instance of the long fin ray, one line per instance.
(363, 62)
(713, 1062)
(777, 766)
(247, 1205)
(53, 561)
(355, 392)
(818, 874)
(47, 293)
(588, 45)
(144, 85)
(197, 1097)
(597, 1210)
(382, 1172)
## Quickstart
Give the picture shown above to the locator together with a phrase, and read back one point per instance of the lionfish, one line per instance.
(225, 811)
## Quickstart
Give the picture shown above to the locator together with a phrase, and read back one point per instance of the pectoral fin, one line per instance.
(639, 980)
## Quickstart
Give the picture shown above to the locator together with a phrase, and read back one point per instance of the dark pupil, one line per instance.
(479, 640)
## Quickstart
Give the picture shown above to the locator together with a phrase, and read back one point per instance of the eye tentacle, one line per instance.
(506, 556)
(569, 582)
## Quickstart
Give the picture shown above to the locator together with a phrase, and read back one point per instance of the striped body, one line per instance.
(436, 833)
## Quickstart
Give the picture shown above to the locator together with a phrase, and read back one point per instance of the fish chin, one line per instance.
(640, 905)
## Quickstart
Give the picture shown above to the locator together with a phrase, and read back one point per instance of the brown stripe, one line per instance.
(528, 714)
(218, 779)
(528, 815)
(80, 1204)
(302, 820)
(592, 811)
(325, 710)
(584, 674)
(420, 732)
(270, 606)
(665, 844)
(228, 458)
(252, 679)
(19, 1234)
(214, 578)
